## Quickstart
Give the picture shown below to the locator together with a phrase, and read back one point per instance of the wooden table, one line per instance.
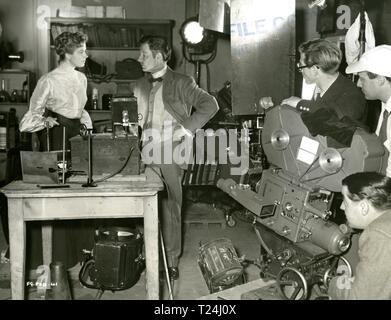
(27, 202)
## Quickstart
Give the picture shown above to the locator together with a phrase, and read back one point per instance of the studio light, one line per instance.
(197, 39)
(193, 33)
(198, 42)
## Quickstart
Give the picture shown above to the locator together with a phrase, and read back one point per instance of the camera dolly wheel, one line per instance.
(291, 284)
(341, 267)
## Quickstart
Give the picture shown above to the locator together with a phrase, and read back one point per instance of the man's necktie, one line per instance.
(316, 95)
(159, 79)
(383, 137)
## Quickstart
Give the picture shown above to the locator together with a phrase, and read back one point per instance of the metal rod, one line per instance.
(47, 135)
(89, 183)
(165, 265)
(63, 153)
(198, 71)
(89, 159)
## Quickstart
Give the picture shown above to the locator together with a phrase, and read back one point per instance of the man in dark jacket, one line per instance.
(319, 63)
(165, 102)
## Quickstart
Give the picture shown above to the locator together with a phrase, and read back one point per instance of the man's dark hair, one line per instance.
(157, 44)
(373, 186)
(322, 53)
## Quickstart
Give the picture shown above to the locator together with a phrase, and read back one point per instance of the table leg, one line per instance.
(47, 232)
(17, 240)
(151, 240)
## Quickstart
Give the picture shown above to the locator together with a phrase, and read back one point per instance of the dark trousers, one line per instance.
(171, 213)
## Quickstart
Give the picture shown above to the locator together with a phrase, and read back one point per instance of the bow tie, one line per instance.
(159, 79)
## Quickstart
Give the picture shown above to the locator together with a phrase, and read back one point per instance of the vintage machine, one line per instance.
(108, 154)
(116, 261)
(291, 203)
(220, 264)
(124, 115)
(111, 153)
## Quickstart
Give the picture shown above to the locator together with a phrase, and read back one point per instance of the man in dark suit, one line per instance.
(319, 63)
(165, 102)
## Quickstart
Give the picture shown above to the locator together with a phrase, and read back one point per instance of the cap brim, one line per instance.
(355, 67)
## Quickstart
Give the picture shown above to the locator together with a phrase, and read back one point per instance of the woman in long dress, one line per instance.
(58, 101)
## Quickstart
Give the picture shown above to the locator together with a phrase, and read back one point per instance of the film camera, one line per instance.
(300, 245)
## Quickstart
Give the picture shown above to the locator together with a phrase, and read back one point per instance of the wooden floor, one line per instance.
(191, 284)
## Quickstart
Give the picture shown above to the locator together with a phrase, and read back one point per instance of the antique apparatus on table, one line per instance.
(300, 246)
(112, 151)
(124, 116)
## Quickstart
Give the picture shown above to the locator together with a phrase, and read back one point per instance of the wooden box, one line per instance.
(108, 155)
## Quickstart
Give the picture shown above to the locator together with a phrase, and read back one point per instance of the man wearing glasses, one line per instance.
(319, 63)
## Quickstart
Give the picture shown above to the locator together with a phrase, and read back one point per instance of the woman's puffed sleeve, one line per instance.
(86, 119)
(34, 120)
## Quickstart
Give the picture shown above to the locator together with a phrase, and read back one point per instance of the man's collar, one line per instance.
(328, 85)
(160, 73)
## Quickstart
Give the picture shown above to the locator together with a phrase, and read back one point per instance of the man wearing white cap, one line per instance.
(374, 71)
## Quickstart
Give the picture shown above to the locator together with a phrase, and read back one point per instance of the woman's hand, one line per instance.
(50, 122)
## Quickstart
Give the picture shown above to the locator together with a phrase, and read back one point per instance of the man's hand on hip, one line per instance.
(180, 132)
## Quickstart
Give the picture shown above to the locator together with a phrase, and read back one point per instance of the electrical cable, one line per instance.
(263, 244)
(82, 272)
(117, 172)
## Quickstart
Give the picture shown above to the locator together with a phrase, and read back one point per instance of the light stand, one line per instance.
(198, 42)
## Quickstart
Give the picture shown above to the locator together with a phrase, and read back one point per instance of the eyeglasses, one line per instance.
(300, 67)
